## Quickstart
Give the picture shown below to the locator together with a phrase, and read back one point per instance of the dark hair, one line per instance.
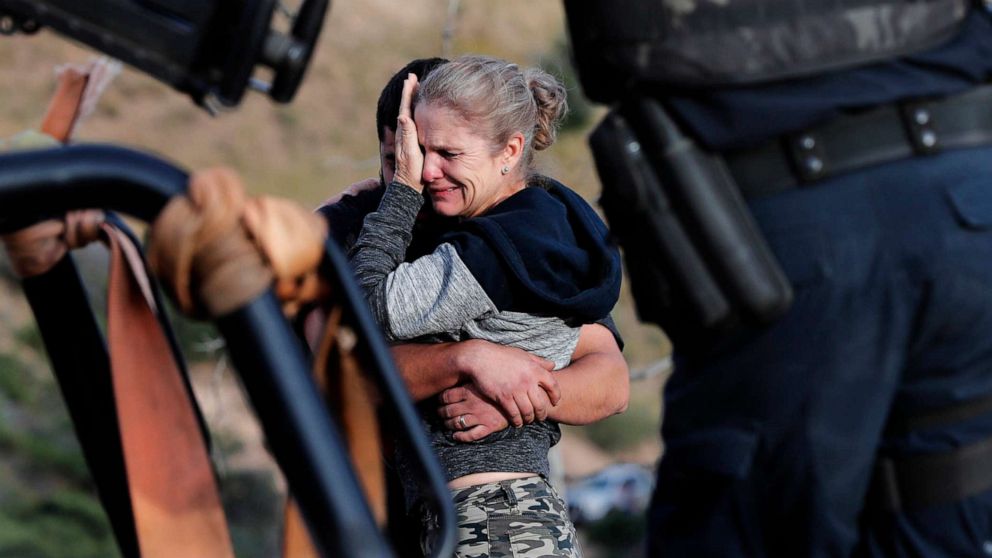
(388, 109)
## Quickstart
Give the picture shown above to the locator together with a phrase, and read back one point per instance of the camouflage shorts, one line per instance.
(522, 518)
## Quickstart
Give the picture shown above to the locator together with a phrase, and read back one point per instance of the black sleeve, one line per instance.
(345, 218)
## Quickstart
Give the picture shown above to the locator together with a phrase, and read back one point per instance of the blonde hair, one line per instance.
(499, 99)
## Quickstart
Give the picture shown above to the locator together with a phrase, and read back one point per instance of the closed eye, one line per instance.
(447, 154)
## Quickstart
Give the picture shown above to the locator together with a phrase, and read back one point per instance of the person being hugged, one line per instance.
(527, 263)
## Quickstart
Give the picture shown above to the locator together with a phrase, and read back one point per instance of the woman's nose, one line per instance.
(432, 168)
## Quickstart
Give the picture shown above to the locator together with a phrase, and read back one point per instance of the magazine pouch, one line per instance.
(697, 262)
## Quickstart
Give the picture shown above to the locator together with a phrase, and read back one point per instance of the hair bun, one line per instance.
(552, 105)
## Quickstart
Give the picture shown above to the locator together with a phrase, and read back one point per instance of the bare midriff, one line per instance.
(485, 478)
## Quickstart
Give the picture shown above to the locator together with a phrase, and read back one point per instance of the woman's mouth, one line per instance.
(442, 192)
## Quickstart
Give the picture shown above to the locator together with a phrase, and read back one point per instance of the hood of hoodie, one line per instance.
(544, 251)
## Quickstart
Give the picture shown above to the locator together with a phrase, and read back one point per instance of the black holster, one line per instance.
(697, 263)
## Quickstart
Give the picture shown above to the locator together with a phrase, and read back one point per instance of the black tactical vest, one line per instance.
(718, 43)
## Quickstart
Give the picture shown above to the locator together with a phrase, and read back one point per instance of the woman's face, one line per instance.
(461, 174)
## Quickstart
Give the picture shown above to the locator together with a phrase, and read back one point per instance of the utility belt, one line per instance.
(697, 262)
(855, 141)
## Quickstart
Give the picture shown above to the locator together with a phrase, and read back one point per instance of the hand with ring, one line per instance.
(458, 403)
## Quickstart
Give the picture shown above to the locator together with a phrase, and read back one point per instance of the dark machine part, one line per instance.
(74, 342)
(89, 397)
(304, 438)
(208, 49)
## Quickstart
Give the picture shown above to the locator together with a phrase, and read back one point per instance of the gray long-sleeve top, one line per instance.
(436, 295)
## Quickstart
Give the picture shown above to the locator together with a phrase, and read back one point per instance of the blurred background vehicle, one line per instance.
(624, 488)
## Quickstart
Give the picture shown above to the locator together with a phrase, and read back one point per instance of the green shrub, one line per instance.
(619, 432)
(68, 523)
(193, 336)
(45, 456)
(29, 336)
(619, 534)
(15, 384)
(253, 512)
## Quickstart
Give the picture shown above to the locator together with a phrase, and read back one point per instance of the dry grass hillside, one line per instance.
(309, 150)
(325, 139)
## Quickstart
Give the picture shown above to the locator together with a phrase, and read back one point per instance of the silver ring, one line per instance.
(461, 422)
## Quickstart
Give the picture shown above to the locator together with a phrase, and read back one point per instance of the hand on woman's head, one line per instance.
(409, 158)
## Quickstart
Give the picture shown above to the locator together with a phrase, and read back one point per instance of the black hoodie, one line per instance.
(542, 251)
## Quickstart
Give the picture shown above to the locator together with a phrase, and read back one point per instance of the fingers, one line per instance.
(453, 410)
(454, 395)
(473, 434)
(361, 186)
(512, 411)
(353, 190)
(461, 422)
(542, 404)
(526, 407)
(405, 116)
(544, 363)
(550, 385)
(406, 100)
(409, 159)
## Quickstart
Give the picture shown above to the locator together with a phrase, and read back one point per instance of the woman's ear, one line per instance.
(513, 150)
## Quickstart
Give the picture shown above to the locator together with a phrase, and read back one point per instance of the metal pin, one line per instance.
(212, 104)
(259, 85)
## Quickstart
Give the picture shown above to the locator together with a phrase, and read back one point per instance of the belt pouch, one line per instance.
(697, 262)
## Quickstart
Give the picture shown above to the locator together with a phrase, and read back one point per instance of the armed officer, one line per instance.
(856, 420)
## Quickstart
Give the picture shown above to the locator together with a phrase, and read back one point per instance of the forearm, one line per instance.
(382, 243)
(429, 369)
(593, 387)
(435, 293)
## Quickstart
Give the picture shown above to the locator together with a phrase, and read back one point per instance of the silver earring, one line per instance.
(505, 169)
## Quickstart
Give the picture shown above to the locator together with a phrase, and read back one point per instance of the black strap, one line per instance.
(929, 479)
(902, 422)
(855, 141)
